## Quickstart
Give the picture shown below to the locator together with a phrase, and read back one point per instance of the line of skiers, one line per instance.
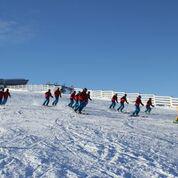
(4, 95)
(78, 101)
(138, 102)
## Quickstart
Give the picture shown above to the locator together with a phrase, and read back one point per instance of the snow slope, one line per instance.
(37, 141)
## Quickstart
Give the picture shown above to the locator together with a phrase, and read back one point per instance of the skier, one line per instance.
(148, 106)
(57, 94)
(137, 106)
(88, 98)
(176, 121)
(47, 96)
(83, 98)
(114, 100)
(122, 101)
(6, 96)
(1, 96)
(72, 97)
(76, 98)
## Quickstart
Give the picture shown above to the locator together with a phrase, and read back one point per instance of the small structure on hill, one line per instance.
(12, 82)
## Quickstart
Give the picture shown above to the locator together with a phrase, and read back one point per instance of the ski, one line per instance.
(175, 122)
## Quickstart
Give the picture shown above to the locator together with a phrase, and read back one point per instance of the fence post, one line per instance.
(101, 94)
(154, 100)
(112, 93)
(171, 103)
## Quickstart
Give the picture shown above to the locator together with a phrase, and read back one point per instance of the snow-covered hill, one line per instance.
(37, 141)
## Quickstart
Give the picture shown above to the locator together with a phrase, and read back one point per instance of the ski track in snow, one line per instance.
(37, 141)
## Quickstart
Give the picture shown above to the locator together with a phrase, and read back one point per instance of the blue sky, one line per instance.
(100, 44)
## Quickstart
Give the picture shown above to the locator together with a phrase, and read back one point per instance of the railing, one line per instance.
(37, 88)
(165, 101)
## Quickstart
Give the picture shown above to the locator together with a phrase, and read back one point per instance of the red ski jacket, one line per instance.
(7, 94)
(88, 97)
(48, 95)
(1, 94)
(72, 96)
(57, 93)
(83, 96)
(76, 97)
(123, 99)
(114, 99)
(138, 102)
(149, 103)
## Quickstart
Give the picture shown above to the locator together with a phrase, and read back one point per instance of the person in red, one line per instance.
(83, 98)
(114, 100)
(47, 96)
(138, 102)
(1, 96)
(72, 98)
(76, 100)
(57, 94)
(6, 96)
(149, 105)
(88, 97)
(122, 101)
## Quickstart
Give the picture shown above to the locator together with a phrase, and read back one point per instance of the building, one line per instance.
(12, 82)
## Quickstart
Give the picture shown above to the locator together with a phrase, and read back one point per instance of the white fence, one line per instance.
(37, 88)
(166, 101)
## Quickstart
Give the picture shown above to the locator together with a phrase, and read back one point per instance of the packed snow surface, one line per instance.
(38, 141)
